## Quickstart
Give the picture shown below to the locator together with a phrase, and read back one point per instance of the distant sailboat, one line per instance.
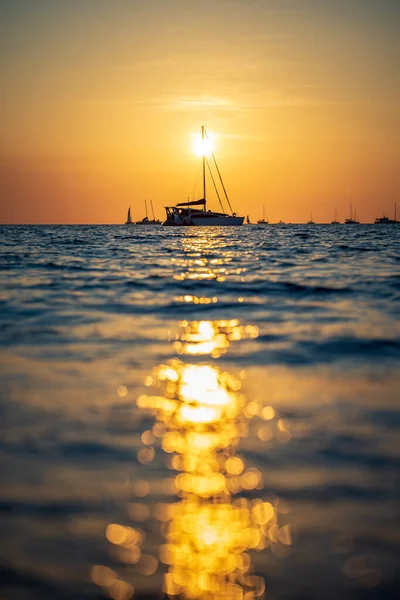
(155, 221)
(352, 221)
(263, 221)
(248, 220)
(310, 222)
(335, 220)
(129, 218)
(146, 220)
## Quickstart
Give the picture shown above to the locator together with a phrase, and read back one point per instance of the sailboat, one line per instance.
(263, 221)
(184, 215)
(335, 220)
(154, 221)
(310, 222)
(352, 221)
(146, 220)
(129, 218)
(248, 220)
(384, 220)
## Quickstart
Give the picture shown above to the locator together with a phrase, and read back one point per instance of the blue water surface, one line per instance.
(306, 316)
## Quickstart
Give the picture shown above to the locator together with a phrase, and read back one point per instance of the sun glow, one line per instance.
(200, 146)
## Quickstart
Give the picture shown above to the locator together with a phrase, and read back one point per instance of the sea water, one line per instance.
(210, 412)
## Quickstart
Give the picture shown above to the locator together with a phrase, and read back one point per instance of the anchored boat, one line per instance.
(263, 221)
(385, 220)
(352, 221)
(335, 220)
(183, 214)
(146, 220)
(129, 218)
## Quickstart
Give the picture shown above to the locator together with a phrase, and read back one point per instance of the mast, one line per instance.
(204, 167)
(152, 209)
(351, 211)
(263, 212)
(145, 206)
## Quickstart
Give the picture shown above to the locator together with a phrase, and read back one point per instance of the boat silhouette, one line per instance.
(183, 213)
(351, 221)
(385, 220)
(335, 220)
(146, 220)
(263, 221)
(129, 218)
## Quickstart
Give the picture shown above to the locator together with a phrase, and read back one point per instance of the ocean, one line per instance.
(200, 412)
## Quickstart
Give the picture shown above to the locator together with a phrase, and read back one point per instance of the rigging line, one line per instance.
(219, 174)
(215, 187)
(222, 183)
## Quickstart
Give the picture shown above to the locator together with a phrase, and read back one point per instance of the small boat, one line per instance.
(310, 222)
(182, 214)
(146, 220)
(129, 218)
(263, 221)
(335, 220)
(281, 223)
(352, 221)
(384, 220)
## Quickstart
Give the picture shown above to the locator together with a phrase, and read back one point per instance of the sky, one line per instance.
(100, 100)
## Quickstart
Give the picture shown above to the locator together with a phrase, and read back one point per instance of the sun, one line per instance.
(201, 147)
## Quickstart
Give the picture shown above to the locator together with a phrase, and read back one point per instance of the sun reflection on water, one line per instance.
(207, 256)
(200, 415)
(211, 337)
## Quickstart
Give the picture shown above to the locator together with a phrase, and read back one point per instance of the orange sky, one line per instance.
(100, 100)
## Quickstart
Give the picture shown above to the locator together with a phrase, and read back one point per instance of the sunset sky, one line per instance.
(100, 100)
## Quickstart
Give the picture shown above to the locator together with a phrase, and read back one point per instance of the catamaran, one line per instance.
(146, 220)
(263, 221)
(184, 214)
(311, 222)
(129, 218)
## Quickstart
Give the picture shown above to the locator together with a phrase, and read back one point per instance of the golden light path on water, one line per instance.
(206, 257)
(201, 414)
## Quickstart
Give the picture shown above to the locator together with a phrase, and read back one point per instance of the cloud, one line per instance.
(205, 102)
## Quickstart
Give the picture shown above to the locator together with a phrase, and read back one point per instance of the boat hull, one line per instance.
(146, 223)
(228, 221)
